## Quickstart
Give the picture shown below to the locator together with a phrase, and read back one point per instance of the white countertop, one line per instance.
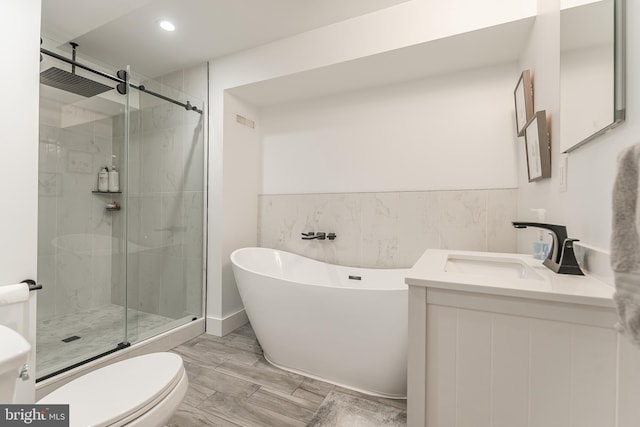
(430, 271)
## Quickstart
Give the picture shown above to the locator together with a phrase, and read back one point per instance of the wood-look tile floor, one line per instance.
(231, 384)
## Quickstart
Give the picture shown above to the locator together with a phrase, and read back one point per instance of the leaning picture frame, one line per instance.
(538, 147)
(523, 98)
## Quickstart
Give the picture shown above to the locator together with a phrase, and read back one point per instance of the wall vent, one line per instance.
(246, 122)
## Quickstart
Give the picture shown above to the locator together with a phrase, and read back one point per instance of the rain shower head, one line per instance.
(71, 82)
(61, 79)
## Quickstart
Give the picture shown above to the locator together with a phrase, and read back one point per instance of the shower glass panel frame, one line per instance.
(92, 261)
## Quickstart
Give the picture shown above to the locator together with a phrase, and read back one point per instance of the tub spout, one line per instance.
(311, 235)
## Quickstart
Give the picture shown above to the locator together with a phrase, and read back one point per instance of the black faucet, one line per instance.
(311, 235)
(561, 258)
(320, 235)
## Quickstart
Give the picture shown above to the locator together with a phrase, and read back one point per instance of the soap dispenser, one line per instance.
(540, 247)
(114, 180)
(103, 180)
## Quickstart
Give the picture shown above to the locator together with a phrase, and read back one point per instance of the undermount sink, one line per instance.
(508, 268)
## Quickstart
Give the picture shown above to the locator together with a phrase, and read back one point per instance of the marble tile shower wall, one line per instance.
(388, 230)
(165, 204)
(74, 229)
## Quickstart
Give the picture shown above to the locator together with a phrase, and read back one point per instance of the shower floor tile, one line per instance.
(98, 330)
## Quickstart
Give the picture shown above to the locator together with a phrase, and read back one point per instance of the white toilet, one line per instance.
(141, 391)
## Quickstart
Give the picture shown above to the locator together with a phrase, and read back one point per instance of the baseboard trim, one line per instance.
(221, 327)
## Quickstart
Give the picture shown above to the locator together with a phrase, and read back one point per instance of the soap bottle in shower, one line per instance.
(114, 180)
(103, 180)
(540, 247)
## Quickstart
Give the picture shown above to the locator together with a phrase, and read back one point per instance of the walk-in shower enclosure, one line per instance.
(116, 267)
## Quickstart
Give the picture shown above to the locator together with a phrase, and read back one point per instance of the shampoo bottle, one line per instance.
(540, 247)
(103, 180)
(114, 180)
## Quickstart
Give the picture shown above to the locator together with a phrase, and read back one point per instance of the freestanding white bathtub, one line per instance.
(321, 321)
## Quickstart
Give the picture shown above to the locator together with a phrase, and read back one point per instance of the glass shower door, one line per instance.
(121, 265)
(78, 315)
(165, 216)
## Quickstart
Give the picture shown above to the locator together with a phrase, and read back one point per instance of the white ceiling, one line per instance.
(125, 32)
(437, 57)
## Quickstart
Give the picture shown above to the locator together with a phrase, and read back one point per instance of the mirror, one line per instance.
(591, 69)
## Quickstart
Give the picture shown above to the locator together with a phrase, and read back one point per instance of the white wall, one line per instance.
(240, 179)
(542, 57)
(432, 134)
(233, 203)
(586, 205)
(19, 161)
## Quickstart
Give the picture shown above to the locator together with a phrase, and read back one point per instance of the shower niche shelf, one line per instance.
(113, 206)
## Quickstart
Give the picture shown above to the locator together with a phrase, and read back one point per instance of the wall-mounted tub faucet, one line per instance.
(320, 235)
(561, 258)
(313, 236)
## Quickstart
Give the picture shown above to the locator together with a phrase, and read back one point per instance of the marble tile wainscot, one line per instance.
(391, 229)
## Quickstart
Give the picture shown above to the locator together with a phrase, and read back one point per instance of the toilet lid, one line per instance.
(107, 395)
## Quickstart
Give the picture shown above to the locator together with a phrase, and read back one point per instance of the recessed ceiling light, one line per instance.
(167, 25)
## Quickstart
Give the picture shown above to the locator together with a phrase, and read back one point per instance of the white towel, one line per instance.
(13, 294)
(625, 243)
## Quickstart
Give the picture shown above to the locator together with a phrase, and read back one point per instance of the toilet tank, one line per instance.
(14, 353)
(20, 316)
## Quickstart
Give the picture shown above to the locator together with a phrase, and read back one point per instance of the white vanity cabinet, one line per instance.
(503, 351)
